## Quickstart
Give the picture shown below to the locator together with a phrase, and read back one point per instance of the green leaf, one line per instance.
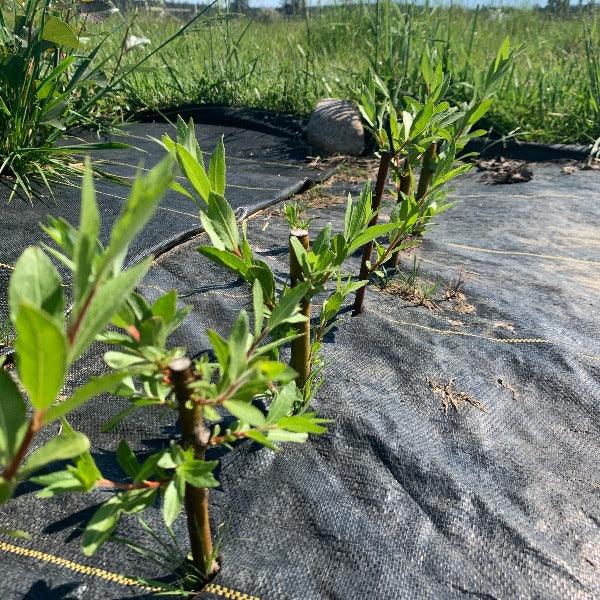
(42, 355)
(13, 417)
(225, 258)
(371, 234)
(35, 280)
(245, 411)
(301, 424)
(283, 403)
(258, 305)
(101, 525)
(106, 301)
(86, 470)
(237, 344)
(62, 447)
(260, 438)
(220, 347)
(279, 435)
(274, 370)
(222, 221)
(59, 482)
(7, 489)
(146, 192)
(59, 33)
(173, 499)
(94, 387)
(199, 473)
(166, 306)
(216, 169)
(194, 171)
(288, 305)
(260, 270)
(127, 459)
(86, 243)
(122, 360)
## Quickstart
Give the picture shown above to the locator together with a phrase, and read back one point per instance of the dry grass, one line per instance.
(453, 398)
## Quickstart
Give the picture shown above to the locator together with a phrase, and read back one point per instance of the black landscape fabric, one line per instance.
(462, 460)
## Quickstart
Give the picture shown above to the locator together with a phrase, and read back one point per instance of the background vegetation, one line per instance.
(285, 63)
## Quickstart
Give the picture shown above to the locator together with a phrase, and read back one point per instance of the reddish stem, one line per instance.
(35, 424)
(382, 173)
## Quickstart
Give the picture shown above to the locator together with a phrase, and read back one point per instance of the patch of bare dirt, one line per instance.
(572, 166)
(414, 293)
(502, 171)
(453, 398)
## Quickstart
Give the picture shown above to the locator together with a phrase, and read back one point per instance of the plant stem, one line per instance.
(427, 171)
(405, 187)
(35, 424)
(194, 435)
(365, 271)
(300, 347)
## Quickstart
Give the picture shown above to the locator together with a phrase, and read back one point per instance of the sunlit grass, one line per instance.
(287, 64)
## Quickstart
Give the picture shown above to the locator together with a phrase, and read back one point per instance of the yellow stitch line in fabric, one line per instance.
(219, 590)
(5, 266)
(73, 566)
(516, 341)
(534, 254)
(212, 588)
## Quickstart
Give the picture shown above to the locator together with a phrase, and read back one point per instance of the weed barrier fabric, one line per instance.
(263, 167)
(401, 499)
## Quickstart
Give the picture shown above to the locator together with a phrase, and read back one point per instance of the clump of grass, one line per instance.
(550, 94)
(54, 76)
(412, 288)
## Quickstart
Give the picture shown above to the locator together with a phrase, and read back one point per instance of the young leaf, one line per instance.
(225, 258)
(106, 302)
(245, 411)
(146, 192)
(260, 438)
(94, 387)
(199, 473)
(370, 234)
(173, 499)
(283, 403)
(238, 344)
(85, 245)
(216, 169)
(194, 171)
(260, 270)
(127, 459)
(35, 280)
(59, 482)
(220, 347)
(302, 424)
(62, 447)
(166, 306)
(101, 525)
(222, 221)
(13, 417)
(288, 305)
(42, 355)
(258, 306)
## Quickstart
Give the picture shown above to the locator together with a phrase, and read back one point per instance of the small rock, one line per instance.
(335, 127)
(503, 170)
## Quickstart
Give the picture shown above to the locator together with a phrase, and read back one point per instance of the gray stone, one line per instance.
(335, 127)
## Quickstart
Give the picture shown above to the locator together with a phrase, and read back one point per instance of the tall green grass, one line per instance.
(287, 64)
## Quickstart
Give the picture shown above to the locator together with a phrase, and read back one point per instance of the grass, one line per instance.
(552, 94)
